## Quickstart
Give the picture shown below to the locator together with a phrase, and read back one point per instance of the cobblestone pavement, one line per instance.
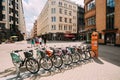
(106, 67)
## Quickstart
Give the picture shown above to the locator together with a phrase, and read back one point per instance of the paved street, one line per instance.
(106, 67)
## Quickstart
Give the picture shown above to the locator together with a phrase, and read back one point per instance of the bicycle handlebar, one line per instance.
(17, 51)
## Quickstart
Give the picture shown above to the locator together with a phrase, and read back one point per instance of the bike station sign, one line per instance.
(94, 43)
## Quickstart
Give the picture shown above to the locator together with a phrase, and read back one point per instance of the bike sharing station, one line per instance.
(94, 44)
(50, 59)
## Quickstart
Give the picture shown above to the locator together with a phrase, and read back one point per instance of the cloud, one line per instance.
(32, 9)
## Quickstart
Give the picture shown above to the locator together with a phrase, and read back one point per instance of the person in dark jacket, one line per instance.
(44, 39)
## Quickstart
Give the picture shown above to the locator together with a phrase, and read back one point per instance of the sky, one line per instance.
(32, 8)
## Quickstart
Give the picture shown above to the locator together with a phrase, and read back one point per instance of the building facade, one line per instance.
(34, 30)
(103, 16)
(12, 19)
(58, 20)
(80, 23)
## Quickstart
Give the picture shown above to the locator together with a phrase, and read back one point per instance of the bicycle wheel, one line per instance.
(57, 61)
(32, 65)
(75, 57)
(82, 56)
(67, 59)
(87, 55)
(46, 63)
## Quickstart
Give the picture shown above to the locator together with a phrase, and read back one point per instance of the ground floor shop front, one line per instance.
(107, 37)
(60, 36)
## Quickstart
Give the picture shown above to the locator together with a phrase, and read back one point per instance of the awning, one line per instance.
(69, 35)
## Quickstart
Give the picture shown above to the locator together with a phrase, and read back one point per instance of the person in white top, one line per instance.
(40, 41)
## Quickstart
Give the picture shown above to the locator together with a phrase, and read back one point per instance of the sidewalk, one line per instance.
(99, 69)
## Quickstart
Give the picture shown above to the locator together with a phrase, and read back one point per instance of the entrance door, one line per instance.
(110, 38)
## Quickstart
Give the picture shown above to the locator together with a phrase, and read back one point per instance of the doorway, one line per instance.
(110, 38)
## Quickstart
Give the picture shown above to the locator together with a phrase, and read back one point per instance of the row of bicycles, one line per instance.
(49, 57)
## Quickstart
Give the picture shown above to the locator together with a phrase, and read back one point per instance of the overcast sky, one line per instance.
(32, 9)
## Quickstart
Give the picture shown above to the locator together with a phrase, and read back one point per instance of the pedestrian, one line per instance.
(44, 39)
(40, 41)
(32, 42)
(36, 41)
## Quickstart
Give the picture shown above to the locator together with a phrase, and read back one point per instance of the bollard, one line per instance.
(94, 43)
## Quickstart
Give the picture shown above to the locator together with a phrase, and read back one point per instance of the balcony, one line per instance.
(87, 1)
(90, 13)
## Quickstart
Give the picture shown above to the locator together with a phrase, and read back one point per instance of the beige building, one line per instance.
(58, 20)
(22, 25)
(34, 30)
(103, 16)
(12, 22)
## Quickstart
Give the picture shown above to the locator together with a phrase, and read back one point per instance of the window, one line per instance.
(91, 5)
(60, 19)
(74, 17)
(74, 24)
(2, 25)
(65, 5)
(66, 20)
(60, 26)
(53, 2)
(3, 7)
(60, 3)
(3, 16)
(100, 36)
(10, 2)
(3, 0)
(70, 20)
(91, 21)
(60, 10)
(65, 12)
(53, 10)
(74, 30)
(53, 27)
(70, 13)
(70, 6)
(10, 18)
(54, 19)
(65, 27)
(110, 14)
(70, 27)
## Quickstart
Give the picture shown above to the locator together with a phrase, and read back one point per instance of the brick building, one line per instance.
(103, 16)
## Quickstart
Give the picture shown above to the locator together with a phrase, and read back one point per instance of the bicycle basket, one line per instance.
(28, 54)
(72, 50)
(41, 53)
(49, 53)
(15, 57)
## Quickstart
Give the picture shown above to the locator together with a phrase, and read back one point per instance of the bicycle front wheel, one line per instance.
(46, 63)
(75, 57)
(32, 65)
(57, 61)
(67, 59)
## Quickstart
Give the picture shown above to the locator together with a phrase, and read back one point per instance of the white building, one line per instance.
(12, 22)
(58, 20)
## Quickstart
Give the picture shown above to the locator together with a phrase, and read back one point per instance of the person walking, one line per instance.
(40, 41)
(44, 39)
(32, 42)
(36, 41)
